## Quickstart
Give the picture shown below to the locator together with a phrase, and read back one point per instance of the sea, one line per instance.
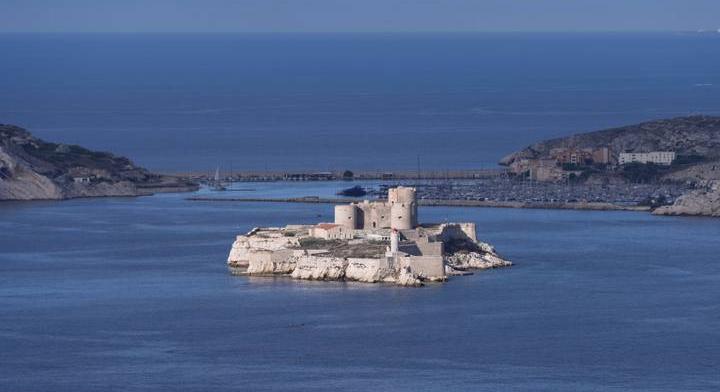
(133, 294)
(192, 102)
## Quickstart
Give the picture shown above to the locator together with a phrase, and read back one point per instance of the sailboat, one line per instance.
(216, 184)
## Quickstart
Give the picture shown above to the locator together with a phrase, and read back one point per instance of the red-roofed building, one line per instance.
(331, 231)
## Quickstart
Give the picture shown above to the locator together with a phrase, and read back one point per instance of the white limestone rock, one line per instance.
(700, 202)
(320, 268)
(451, 271)
(475, 260)
(24, 184)
(243, 245)
(407, 278)
(278, 251)
(485, 247)
(240, 252)
(369, 271)
(262, 266)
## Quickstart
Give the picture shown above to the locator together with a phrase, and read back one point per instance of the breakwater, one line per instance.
(335, 175)
(434, 203)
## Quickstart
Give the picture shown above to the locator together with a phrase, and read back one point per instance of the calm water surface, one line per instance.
(133, 294)
(336, 101)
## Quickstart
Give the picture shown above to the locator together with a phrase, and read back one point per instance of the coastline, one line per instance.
(595, 206)
(146, 191)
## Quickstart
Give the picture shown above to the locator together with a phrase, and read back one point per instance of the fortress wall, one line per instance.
(410, 248)
(381, 214)
(452, 231)
(412, 235)
(429, 267)
(430, 248)
(470, 230)
(377, 212)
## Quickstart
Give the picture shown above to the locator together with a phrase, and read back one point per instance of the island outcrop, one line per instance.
(369, 242)
(33, 169)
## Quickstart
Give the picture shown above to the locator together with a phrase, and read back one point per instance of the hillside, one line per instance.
(33, 169)
(695, 140)
(694, 136)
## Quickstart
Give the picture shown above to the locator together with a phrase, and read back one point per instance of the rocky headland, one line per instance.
(693, 137)
(704, 201)
(34, 169)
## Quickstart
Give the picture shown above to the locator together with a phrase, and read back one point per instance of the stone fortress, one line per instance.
(398, 212)
(379, 241)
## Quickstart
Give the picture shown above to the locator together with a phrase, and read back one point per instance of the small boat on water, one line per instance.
(216, 184)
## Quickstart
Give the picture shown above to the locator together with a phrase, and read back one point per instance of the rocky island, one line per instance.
(367, 242)
(33, 169)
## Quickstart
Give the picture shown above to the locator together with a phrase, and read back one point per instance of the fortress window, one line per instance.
(373, 225)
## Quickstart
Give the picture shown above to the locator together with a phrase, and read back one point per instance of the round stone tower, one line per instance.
(403, 208)
(347, 216)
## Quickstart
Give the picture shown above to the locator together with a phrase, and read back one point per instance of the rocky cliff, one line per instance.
(704, 201)
(292, 252)
(33, 169)
(693, 136)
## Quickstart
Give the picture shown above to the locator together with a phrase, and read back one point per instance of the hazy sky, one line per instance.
(356, 15)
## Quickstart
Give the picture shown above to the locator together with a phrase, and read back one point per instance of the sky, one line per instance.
(356, 15)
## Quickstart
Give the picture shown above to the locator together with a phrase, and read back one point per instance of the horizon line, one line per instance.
(699, 31)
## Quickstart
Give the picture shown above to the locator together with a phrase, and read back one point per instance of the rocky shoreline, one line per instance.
(372, 242)
(309, 265)
(704, 201)
(33, 169)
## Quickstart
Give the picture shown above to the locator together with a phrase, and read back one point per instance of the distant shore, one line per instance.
(338, 175)
(597, 206)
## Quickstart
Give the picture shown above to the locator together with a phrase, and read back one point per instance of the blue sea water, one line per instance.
(333, 101)
(133, 294)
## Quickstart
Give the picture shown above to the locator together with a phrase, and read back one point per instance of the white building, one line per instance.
(657, 157)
